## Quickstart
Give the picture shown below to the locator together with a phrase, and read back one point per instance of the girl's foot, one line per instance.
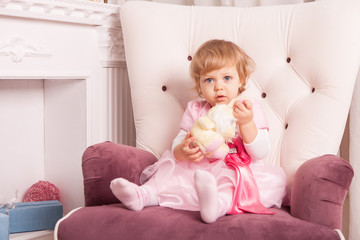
(206, 189)
(130, 194)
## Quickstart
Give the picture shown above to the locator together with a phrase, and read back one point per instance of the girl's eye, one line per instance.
(209, 80)
(227, 78)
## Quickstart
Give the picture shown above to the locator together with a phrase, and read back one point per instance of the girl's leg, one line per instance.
(212, 205)
(134, 197)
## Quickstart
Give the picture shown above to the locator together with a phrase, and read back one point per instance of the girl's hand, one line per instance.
(244, 115)
(243, 112)
(186, 150)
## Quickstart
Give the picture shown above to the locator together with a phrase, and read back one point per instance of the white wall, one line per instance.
(21, 135)
(43, 136)
(65, 137)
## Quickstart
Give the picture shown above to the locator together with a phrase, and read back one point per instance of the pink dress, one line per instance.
(173, 181)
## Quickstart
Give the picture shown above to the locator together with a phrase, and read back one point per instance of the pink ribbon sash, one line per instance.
(246, 195)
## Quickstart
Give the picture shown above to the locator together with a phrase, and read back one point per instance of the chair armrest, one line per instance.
(103, 162)
(319, 190)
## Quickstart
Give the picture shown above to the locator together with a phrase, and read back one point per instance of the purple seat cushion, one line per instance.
(113, 222)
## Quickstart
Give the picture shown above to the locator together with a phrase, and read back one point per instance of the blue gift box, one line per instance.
(33, 216)
(4, 226)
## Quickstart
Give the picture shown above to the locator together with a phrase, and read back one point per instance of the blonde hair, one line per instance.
(215, 54)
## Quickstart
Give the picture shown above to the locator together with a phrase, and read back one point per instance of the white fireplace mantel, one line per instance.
(104, 17)
(63, 87)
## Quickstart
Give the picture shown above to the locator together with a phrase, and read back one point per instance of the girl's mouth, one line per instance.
(220, 98)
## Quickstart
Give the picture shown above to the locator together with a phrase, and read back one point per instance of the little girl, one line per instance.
(184, 178)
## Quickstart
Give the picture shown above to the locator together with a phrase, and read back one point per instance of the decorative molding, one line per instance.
(18, 48)
(111, 44)
(74, 11)
(44, 75)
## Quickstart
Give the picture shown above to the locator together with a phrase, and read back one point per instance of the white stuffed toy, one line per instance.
(214, 129)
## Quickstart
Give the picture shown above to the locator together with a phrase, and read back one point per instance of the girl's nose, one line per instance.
(218, 86)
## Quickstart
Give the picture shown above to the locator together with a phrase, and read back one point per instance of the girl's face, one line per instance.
(221, 85)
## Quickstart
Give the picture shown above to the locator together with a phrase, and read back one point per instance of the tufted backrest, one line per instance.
(307, 57)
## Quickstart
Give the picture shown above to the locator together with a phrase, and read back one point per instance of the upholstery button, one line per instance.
(164, 88)
(288, 60)
(189, 58)
(263, 95)
(286, 126)
(313, 90)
